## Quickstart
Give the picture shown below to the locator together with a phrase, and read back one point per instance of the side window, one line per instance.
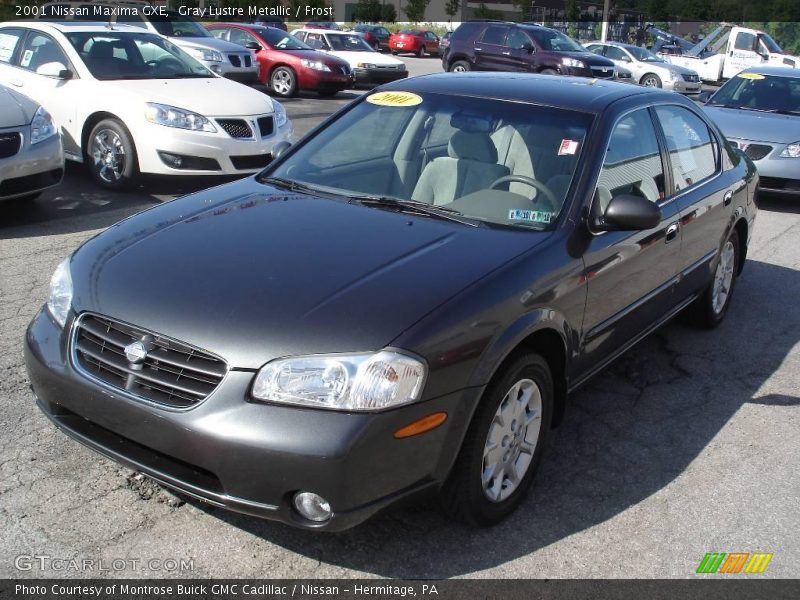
(300, 35)
(745, 41)
(9, 40)
(596, 48)
(237, 36)
(517, 39)
(382, 31)
(221, 34)
(39, 50)
(633, 161)
(692, 150)
(495, 35)
(430, 35)
(615, 53)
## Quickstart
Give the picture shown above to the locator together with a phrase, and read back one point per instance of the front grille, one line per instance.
(602, 71)
(236, 128)
(10, 143)
(252, 161)
(691, 78)
(172, 373)
(247, 61)
(266, 125)
(757, 151)
(234, 58)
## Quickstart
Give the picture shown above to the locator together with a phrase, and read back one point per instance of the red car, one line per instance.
(287, 64)
(415, 41)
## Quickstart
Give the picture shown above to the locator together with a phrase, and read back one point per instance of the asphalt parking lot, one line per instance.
(688, 444)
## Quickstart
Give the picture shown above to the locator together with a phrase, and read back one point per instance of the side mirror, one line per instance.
(280, 149)
(626, 59)
(628, 213)
(528, 47)
(253, 46)
(704, 96)
(55, 70)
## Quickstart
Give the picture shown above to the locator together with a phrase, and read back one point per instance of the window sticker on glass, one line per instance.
(26, 58)
(533, 216)
(755, 76)
(567, 147)
(7, 45)
(394, 99)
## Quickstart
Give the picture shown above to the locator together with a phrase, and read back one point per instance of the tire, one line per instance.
(422, 52)
(650, 80)
(460, 66)
(468, 494)
(377, 45)
(548, 72)
(111, 155)
(394, 52)
(709, 310)
(283, 82)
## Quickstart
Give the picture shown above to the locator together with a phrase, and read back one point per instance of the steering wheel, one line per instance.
(537, 185)
(167, 64)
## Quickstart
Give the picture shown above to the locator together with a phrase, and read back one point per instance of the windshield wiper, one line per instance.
(291, 185)
(401, 205)
(740, 107)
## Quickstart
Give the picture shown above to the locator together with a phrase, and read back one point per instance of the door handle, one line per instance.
(478, 49)
(506, 53)
(726, 200)
(16, 83)
(672, 233)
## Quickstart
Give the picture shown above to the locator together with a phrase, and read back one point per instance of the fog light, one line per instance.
(312, 507)
(171, 160)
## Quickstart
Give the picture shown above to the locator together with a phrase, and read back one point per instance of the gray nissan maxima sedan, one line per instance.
(363, 323)
(31, 156)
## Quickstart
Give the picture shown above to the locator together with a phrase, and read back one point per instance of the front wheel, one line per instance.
(422, 52)
(504, 444)
(111, 155)
(549, 72)
(651, 80)
(283, 82)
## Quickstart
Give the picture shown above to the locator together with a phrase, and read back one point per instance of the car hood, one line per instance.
(16, 110)
(755, 126)
(251, 273)
(328, 59)
(375, 58)
(209, 42)
(678, 69)
(211, 97)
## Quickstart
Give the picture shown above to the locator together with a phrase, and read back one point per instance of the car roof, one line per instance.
(779, 71)
(573, 93)
(79, 26)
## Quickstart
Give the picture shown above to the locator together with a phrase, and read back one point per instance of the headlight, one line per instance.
(314, 64)
(573, 62)
(366, 66)
(169, 116)
(206, 55)
(791, 151)
(280, 114)
(59, 299)
(43, 126)
(343, 382)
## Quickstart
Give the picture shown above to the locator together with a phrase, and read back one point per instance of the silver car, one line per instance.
(31, 156)
(758, 110)
(647, 68)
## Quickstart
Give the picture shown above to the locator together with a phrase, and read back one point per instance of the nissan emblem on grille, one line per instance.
(135, 352)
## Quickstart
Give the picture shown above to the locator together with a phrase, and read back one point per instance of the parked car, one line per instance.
(276, 22)
(414, 41)
(376, 36)
(647, 68)
(624, 75)
(31, 157)
(330, 25)
(306, 386)
(129, 101)
(499, 46)
(219, 56)
(759, 112)
(287, 64)
(367, 65)
(444, 43)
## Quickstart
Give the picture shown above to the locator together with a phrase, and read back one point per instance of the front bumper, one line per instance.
(683, 87)
(777, 175)
(248, 457)
(309, 79)
(224, 154)
(33, 169)
(240, 74)
(379, 75)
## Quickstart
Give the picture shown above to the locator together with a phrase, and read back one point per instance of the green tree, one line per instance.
(368, 11)
(388, 13)
(484, 12)
(415, 10)
(573, 15)
(451, 7)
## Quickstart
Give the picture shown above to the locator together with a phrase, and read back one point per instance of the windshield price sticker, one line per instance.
(534, 216)
(567, 147)
(394, 99)
(751, 76)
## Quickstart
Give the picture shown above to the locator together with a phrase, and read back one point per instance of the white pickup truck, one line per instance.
(724, 52)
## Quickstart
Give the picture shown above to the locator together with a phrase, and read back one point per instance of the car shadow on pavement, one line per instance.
(776, 203)
(630, 432)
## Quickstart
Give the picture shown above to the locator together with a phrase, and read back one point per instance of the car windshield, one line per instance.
(555, 41)
(754, 91)
(173, 24)
(445, 154)
(643, 55)
(769, 43)
(281, 40)
(351, 43)
(122, 55)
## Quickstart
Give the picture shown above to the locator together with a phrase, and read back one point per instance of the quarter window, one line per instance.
(633, 161)
(691, 148)
(494, 35)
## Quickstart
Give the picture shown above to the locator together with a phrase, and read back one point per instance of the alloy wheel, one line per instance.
(723, 278)
(108, 154)
(282, 82)
(511, 441)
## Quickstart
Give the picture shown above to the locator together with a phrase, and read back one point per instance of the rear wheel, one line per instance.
(460, 66)
(710, 309)
(651, 80)
(394, 52)
(111, 155)
(549, 72)
(504, 444)
(422, 51)
(377, 45)
(283, 82)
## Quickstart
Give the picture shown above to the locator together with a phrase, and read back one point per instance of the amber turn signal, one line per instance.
(421, 425)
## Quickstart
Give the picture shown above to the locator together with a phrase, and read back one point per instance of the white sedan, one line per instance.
(131, 102)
